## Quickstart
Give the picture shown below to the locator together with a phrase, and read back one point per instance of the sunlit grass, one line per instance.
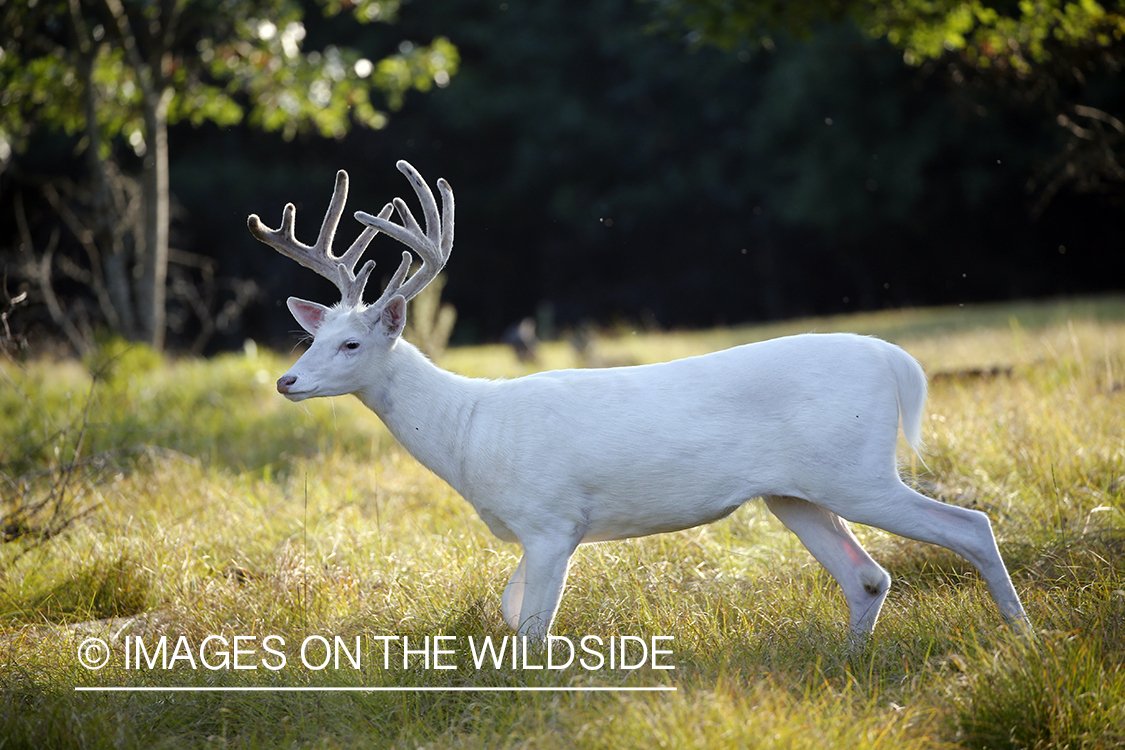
(218, 508)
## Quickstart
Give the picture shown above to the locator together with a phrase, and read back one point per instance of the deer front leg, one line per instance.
(512, 600)
(532, 596)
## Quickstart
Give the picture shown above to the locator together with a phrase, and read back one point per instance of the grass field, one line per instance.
(186, 500)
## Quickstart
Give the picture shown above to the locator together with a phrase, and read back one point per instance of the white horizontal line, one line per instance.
(393, 689)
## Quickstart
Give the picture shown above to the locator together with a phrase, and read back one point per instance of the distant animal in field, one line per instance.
(521, 337)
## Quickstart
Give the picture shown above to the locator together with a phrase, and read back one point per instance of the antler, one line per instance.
(433, 245)
(337, 269)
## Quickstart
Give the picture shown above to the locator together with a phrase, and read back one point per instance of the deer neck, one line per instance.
(426, 408)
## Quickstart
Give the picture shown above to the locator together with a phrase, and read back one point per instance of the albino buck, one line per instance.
(808, 423)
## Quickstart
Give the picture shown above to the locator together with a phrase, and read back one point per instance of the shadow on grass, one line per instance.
(106, 589)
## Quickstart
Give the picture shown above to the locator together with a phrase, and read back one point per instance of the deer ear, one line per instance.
(392, 317)
(309, 314)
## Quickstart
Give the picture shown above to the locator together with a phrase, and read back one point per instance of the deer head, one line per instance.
(351, 339)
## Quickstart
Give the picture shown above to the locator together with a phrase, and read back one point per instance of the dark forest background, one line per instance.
(609, 168)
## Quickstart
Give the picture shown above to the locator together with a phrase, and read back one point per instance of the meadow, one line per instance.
(149, 498)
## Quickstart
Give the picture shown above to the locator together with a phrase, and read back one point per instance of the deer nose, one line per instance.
(285, 382)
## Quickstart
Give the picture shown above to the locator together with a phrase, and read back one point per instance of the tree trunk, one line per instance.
(156, 97)
(152, 285)
(109, 258)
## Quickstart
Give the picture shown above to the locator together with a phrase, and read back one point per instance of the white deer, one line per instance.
(809, 423)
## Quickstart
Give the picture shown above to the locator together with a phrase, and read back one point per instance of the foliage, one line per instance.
(1003, 35)
(1052, 54)
(341, 533)
(989, 33)
(224, 60)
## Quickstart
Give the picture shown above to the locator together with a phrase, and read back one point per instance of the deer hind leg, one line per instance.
(827, 536)
(967, 532)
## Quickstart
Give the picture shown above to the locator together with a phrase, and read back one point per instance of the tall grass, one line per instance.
(219, 508)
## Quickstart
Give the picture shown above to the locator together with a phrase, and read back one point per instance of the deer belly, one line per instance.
(603, 526)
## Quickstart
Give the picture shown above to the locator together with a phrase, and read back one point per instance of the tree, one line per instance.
(114, 72)
(1063, 57)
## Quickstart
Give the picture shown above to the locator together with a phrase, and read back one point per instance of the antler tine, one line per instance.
(318, 257)
(433, 244)
(356, 283)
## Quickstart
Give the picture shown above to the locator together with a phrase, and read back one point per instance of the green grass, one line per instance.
(211, 506)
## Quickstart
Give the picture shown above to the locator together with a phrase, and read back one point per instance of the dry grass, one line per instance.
(221, 509)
